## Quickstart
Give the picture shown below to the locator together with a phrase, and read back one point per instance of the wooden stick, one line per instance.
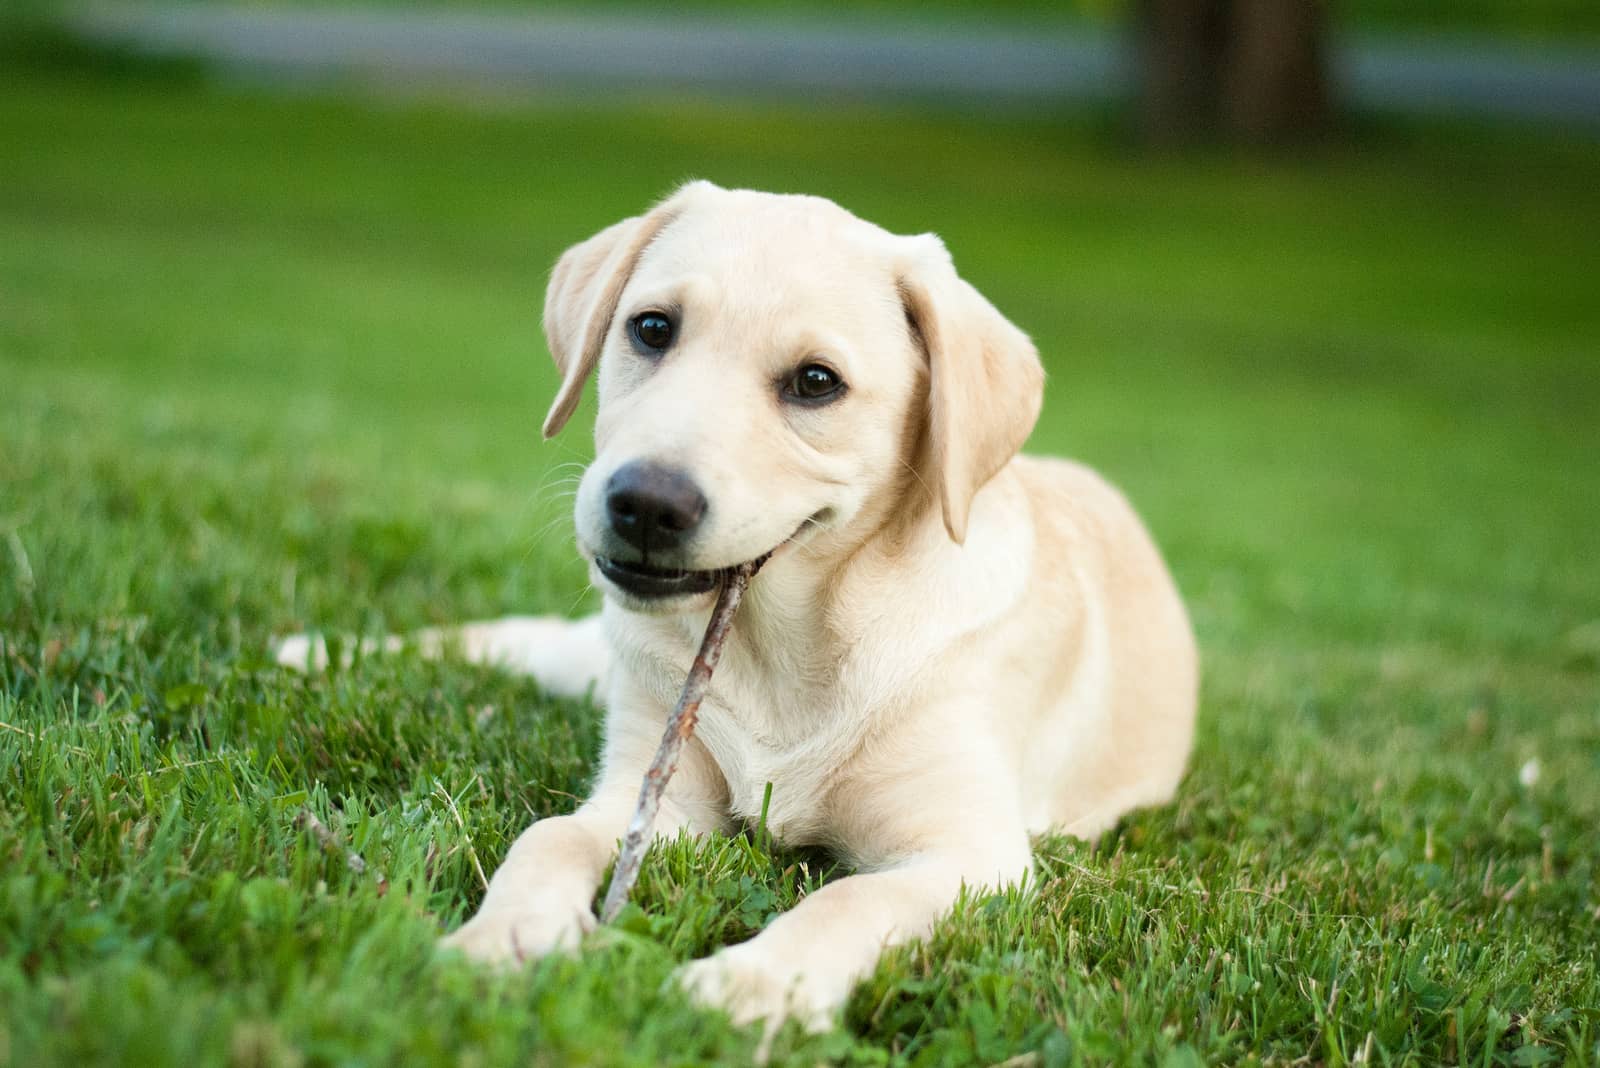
(679, 726)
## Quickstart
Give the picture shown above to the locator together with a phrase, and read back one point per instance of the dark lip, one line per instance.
(657, 583)
(653, 583)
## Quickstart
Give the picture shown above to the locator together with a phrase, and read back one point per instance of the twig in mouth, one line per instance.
(679, 726)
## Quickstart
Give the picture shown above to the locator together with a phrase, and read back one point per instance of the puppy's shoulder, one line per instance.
(1087, 526)
(1072, 499)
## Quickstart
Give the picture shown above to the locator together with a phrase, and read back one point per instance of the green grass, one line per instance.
(268, 364)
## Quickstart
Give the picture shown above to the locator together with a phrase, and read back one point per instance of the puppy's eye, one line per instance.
(651, 331)
(814, 383)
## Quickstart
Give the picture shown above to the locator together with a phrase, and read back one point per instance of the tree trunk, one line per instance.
(1249, 70)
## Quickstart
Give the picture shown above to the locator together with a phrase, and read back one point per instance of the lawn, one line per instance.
(271, 363)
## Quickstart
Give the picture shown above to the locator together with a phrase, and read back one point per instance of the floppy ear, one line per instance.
(985, 380)
(582, 297)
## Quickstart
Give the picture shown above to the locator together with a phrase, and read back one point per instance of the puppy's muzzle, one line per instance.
(656, 509)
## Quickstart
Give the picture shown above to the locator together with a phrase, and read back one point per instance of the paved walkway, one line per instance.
(530, 51)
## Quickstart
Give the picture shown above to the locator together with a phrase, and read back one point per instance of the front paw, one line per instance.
(749, 985)
(509, 937)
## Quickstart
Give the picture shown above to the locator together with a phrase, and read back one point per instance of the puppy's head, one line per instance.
(773, 371)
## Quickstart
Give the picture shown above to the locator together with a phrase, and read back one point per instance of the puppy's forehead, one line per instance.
(772, 244)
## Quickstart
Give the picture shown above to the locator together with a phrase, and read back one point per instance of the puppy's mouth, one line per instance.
(648, 583)
(652, 583)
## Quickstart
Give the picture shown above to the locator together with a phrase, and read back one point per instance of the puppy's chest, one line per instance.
(774, 719)
(799, 743)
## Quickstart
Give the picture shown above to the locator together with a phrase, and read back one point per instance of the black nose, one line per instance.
(653, 507)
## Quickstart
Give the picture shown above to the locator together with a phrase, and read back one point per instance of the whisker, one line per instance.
(811, 522)
(563, 447)
(573, 607)
(916, 475)
(540, 491)
(545, 531)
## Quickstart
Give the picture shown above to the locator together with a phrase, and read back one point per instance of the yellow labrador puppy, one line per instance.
(952, 648)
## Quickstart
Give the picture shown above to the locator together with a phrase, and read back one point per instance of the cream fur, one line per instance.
(957, 648)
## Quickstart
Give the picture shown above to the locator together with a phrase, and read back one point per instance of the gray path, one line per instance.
(518, 51)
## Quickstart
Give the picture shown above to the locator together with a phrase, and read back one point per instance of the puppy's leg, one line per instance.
(539, 900)
(942, 819)
(568, 657)
(806, 963)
